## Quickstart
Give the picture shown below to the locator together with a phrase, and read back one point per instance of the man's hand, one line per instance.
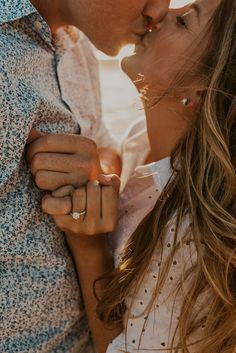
(34, 135)
(63, 159)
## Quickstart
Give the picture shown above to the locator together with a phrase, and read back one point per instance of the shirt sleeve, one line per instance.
(16, 119)
(101, 133)
(104, 138)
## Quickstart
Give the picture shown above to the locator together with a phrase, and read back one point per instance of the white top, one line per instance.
(155, 332)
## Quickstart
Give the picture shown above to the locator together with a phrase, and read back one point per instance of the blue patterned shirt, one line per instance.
(40, 303)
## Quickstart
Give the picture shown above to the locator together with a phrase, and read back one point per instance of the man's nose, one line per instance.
(156, 10)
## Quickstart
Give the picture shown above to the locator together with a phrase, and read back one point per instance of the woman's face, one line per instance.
(164, 52)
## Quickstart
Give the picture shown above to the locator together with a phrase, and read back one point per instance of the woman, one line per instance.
(173, 288)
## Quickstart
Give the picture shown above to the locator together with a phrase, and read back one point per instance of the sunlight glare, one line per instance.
(179, 3)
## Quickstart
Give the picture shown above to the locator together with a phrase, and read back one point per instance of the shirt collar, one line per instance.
(161, 172)
(11, 10)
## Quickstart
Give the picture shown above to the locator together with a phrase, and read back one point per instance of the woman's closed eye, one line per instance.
(180, 21)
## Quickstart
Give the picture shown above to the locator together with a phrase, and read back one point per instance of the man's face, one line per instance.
(111, 24)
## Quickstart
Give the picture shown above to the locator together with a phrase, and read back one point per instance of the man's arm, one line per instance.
(17, 116)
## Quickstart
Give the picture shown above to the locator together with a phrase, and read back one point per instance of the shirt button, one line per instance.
(38, 25)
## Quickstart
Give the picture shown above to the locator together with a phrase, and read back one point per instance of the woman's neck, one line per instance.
(166, 123)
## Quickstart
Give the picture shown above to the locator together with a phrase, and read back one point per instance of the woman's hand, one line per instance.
(91, 254)
(98, 200)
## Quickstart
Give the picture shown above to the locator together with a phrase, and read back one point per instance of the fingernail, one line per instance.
(94, 182)
(106, 178)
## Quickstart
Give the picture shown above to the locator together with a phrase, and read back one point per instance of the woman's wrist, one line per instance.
(86, 239)
(90, 253)
(88, 244)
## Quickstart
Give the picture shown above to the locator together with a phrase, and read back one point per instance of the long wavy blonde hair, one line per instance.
(204, 189)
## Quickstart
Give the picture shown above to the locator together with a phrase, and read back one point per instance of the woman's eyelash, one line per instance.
(181, 21)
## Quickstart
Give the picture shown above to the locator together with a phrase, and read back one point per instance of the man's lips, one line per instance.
(141, 33)
(139, 38)
(136, 36)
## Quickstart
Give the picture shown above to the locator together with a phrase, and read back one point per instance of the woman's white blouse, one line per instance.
(154, 332)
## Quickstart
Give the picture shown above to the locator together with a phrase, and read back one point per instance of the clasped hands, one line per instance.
(69, 167)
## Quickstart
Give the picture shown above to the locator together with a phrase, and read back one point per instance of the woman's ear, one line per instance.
(192, 99)
(194, 95)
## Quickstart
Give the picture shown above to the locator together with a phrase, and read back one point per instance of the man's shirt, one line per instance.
(40, 303)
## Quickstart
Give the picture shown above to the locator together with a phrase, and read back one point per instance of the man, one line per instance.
(40, 304)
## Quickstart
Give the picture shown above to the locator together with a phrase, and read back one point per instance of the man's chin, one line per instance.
(109, 50)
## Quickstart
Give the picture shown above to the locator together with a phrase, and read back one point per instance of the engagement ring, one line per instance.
(77, 215)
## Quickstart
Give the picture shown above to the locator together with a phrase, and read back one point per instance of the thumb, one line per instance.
(110, 180)
(34, 135)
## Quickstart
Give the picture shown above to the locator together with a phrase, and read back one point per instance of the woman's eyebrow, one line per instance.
(194, 6)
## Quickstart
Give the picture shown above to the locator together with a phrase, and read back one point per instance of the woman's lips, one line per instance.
(141, 43)
(139, 36)
(146, 39)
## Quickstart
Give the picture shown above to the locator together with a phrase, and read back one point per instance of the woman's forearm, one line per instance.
(92, 259)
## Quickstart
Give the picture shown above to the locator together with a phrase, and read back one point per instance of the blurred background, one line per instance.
(120, 100)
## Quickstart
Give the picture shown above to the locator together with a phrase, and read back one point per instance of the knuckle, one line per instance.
(78, 176)
(62, 206)
(40, 180)
(60, 224)
(110, 226)
(46, 140)
(81, 177)
(45, 204)
(92, 229)
(66, 208)
(75, 228)
(63, 191)
(93, 146)
(90, 143)
(35, 163)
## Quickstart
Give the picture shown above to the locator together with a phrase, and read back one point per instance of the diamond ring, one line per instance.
(77, 215)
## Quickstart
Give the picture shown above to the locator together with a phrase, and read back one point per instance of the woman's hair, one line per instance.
(204, 190)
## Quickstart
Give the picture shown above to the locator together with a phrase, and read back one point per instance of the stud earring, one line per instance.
(185, 101)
